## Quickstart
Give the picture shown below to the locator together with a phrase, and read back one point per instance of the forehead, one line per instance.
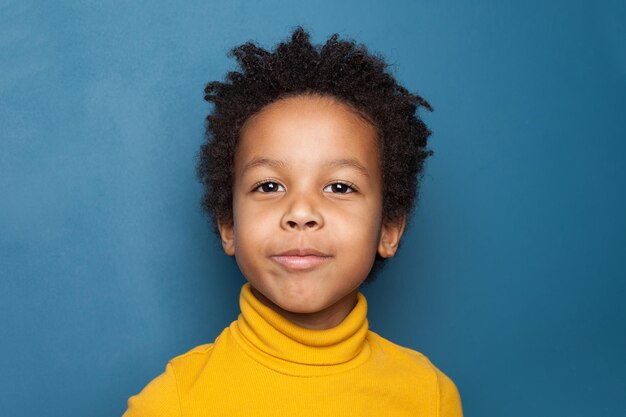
(308, 102)
(307, 128)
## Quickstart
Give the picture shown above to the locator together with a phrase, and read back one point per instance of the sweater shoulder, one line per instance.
(402, 352)
(194, 358)
(194, 353)
(447, 395)
(161, 395)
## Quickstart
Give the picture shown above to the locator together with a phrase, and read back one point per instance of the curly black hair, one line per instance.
(341, 69)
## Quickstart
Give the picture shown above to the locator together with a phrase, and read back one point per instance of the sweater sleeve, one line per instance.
(449, 398)
(158, 399)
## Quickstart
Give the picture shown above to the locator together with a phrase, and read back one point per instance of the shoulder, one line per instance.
(193, 357)
(402, 355)
(189, 365)
(160, 397)
(421, 367)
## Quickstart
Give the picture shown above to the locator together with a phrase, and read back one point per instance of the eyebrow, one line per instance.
(257, 161)
(278, 164)
(349, 163)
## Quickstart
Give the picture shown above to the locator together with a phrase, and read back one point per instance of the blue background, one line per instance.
(510, 278)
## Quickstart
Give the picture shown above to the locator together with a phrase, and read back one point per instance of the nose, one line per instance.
(302, 213)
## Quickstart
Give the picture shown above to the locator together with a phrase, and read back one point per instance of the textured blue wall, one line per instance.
(511, 277)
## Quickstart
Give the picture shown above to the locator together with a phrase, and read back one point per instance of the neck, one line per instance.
(324, 319)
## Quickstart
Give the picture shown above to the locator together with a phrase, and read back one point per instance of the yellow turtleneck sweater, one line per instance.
(265, 365)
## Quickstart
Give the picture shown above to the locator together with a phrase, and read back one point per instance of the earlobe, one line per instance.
(390, 235)
(227, 234)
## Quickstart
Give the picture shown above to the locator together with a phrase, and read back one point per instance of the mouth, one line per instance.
(301, 259)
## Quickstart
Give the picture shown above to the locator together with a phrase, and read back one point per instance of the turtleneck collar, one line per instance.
(286, 347)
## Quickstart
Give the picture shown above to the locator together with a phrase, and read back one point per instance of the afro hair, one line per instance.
(341, 69)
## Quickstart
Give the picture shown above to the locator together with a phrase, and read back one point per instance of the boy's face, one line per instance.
(307, 207)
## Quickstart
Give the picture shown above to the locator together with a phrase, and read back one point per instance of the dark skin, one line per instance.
(307, 177)
(339, 69)
(321, 320)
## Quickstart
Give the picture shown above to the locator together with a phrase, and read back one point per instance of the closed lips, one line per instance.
(301, 259)
(303, 252)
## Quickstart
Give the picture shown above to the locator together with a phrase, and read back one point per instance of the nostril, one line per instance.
(294, 224)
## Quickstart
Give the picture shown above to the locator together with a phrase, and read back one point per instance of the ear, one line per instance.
(390, 235)
(227, 233)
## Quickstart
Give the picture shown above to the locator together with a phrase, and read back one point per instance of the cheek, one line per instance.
(362, 229)
(253, 224)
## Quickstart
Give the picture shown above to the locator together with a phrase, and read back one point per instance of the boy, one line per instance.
(311, 170)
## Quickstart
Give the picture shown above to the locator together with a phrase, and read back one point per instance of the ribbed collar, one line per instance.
(284, 346)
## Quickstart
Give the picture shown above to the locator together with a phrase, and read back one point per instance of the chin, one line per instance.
(306, 303)
(300, 308)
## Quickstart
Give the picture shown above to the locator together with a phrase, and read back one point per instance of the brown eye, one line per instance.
(339, 188)
(269, 187)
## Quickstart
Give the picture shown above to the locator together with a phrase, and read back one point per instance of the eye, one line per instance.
(339, 188)
(268, 187)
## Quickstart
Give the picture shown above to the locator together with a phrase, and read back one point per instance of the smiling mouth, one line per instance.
(301, 259)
